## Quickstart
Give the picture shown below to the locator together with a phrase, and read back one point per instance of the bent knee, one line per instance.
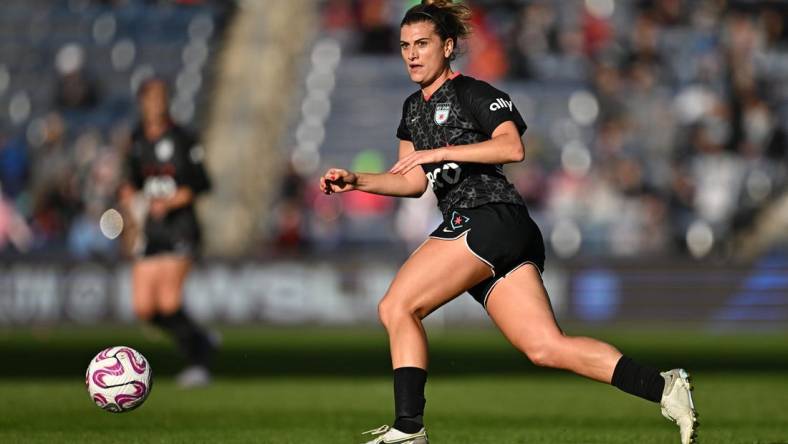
(544, 354)
(392, 310)
(541, 357)
(144, 312)
(389, 310)
(169, 305)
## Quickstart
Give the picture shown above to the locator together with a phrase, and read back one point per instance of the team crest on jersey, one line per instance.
(442, 113)
(164, 150)
(458, 220)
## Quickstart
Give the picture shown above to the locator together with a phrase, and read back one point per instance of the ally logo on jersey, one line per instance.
(501, 103)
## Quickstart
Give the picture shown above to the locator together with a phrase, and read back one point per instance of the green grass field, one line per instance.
(326, 386)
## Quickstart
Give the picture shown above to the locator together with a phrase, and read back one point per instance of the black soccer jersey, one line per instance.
(158, 168)
(462, 111)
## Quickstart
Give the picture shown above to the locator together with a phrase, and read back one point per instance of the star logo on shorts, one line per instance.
(458, 220)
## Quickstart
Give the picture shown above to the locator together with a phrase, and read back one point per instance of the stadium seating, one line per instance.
(83, 60)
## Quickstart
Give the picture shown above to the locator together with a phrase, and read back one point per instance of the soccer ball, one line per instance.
(119, 379)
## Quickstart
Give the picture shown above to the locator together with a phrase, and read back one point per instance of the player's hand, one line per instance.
(337, 180)
(158, 208)
(417, 158)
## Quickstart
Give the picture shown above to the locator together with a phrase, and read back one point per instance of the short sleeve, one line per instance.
(491, 107)
(403, 133)
(192, 173)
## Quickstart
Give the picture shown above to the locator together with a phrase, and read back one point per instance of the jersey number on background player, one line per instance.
(160, 186)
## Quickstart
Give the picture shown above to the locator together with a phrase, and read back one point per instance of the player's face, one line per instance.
(154, 102)
(425, 54)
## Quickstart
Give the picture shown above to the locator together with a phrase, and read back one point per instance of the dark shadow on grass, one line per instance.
(315, 352)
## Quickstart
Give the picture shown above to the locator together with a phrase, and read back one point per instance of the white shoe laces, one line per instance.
(378, 431)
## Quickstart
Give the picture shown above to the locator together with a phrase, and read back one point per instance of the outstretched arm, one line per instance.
(409, 184)
(505, 146)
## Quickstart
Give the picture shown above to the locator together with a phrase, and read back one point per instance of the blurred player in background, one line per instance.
(460, 131)
(165, 171)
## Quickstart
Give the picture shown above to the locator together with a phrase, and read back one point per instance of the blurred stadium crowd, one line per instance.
(68, 73)
(656, 127)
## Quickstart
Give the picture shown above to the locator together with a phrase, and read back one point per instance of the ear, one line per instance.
(448, 48)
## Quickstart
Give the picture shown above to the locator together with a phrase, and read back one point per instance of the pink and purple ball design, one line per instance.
(118, 379)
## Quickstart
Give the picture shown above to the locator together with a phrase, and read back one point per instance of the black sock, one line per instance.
(638, 380)
(191, 339)
(409, 398)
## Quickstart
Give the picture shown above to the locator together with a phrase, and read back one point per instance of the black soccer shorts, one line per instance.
(177, 247)
(502, 235)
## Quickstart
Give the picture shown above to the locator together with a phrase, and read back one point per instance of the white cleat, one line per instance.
(192, 377)
(390, 435)
(677, 404)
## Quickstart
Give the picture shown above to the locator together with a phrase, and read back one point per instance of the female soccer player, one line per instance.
(165, 165)
(459, 131)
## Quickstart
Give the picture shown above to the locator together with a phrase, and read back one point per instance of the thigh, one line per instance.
(144, 276)
(436, 273)
(173, 270)
(520, 307)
